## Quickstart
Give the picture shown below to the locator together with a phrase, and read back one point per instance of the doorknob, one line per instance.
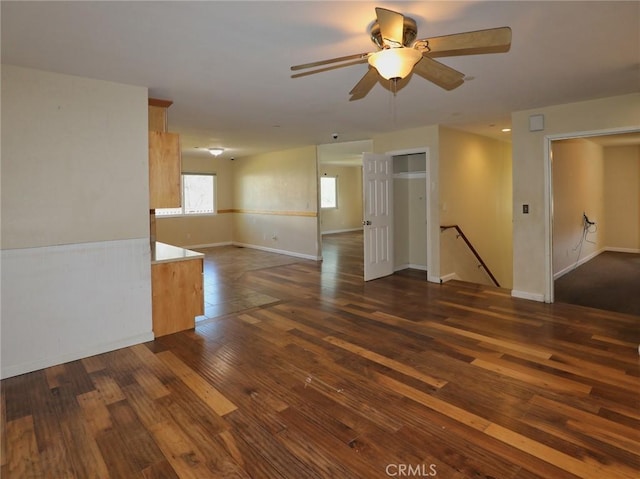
(366, 223)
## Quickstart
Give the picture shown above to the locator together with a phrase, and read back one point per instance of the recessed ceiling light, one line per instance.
(216, 151)
(506, 130)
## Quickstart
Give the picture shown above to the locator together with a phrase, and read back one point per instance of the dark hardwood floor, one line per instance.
(332, 377)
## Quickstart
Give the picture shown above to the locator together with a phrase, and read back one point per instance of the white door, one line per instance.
(377, 178)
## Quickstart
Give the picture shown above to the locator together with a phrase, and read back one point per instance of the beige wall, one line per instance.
(275, 199)
(475, 193)
(74, 166)
(205, 230)
(410, 233)
(348, 215)
(622, 197)
(578, 187)
(531, 233)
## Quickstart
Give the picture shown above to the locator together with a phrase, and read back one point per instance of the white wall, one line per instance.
(76, 276)
(532, 277)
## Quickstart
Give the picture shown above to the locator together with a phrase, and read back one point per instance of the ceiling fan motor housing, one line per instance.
(409, 33)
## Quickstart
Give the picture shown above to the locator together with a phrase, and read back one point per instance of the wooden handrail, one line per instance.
(473, 250)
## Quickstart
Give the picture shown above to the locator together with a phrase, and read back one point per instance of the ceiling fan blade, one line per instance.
(491, 40)
(438, 73)
(365, 85)
(391, 26)
(329, 68)
(357, 56)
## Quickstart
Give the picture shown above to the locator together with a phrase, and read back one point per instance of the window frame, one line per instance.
(182, 212)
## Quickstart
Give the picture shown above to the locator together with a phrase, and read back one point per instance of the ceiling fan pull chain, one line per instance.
(393, 89)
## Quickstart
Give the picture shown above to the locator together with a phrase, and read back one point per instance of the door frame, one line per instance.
(431, 197)
(548, 196)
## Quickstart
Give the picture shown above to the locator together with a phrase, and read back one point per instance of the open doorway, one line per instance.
(595, 221)
(342, 163)
(410, 211)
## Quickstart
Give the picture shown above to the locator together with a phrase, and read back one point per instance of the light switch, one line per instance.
(525, 209)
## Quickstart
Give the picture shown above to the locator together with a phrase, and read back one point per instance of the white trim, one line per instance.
(434, 279)
(419, 267)
(622, 250)
(525, 295)
(278, 251)
(449, 277)
(548, 224)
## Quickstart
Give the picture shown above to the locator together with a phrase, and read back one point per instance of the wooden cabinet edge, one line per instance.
(177, 295)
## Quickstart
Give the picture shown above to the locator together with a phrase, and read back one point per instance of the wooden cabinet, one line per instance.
(164, 170)
(157, 116)
(177, 289)
(165, 162)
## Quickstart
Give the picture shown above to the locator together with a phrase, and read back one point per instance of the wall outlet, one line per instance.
(525, 209)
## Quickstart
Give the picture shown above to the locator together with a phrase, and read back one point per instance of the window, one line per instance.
(328, 192)
(198, 196)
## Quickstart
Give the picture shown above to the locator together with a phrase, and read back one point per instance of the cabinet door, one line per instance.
(164, 170)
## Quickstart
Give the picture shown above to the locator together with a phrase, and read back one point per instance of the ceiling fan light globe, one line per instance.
(395, 62)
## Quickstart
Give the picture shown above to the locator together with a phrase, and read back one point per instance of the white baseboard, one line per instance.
(449, 277)
(207, 245)
(526, 295)
(419, 267)
(622, 250)
(279, 251)
(348, 230)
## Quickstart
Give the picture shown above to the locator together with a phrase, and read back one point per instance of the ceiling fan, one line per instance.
(399, 53)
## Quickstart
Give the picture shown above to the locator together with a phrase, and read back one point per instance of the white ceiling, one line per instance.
(226, 65)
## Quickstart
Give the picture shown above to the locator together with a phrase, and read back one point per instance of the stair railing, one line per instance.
(482, 264)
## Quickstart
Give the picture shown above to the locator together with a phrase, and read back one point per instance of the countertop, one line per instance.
(165, 253)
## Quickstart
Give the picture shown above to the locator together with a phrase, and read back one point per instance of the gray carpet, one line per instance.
(610, 281)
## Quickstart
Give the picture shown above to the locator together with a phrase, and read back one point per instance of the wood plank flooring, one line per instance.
(337, 378)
